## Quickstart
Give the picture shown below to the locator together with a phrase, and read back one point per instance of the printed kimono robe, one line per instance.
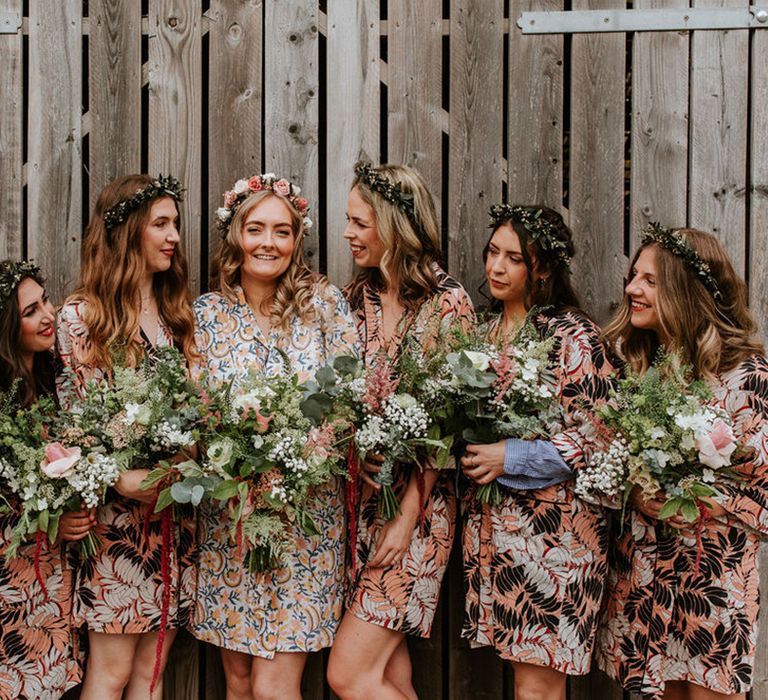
(666, 621)
(38, 648)
(296, 608)
(535, 565)
(119, 590)
(404, 596)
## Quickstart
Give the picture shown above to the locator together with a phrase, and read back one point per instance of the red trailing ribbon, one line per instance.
(38, 549)
(239, 538)
(704, 518)
(166, 523)
(422, 492)
(351, 496)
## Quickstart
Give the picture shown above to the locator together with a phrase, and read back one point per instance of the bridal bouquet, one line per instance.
(267, 451)
(502, 390)
(661, 434)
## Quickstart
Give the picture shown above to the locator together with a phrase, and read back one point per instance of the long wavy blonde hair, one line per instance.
(295, 287)
(410, 251)
(111, 270)
(711, 336)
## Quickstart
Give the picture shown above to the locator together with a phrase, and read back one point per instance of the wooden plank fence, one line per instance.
(615, 130)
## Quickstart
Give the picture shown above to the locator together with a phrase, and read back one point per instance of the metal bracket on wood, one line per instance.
(581, 21)
(10, 22)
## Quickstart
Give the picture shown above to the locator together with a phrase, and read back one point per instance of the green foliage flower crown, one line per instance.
(161, 186)
(12, 273)
(377, 182)
(541, 230)
(676, 243)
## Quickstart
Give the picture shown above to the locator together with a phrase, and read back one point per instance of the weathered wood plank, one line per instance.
(758, 215)
(415, 96)
(235, 98)
(215, 682)
(114, 89)
(182, 673)
(175, 94)
(54, 169)
(595, 685)
(352, 86)
(659, 180)
(718, 170)
(597, 164)
(11, 125)
(291, 85)
(535, 111)
(475, 161)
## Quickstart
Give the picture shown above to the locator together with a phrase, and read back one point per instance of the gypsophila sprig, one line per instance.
(661, 433)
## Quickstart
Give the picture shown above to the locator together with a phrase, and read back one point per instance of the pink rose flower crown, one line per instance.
(242, 189)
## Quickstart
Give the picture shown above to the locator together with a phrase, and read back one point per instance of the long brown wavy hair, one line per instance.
(29, 384)
(111, 270)
(554, 292)
(295, 287)
(711, 336)
(410, 251)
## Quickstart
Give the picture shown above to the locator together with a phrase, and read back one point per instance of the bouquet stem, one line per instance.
(38, 549)
(489, 493)
(389, 506)
(262, 558)
(89, 545)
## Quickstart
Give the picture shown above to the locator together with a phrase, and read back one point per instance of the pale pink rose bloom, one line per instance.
(254, 184)
(59, 461)
(262, 423)
(230, 198)
(282, 187)
(715, 448)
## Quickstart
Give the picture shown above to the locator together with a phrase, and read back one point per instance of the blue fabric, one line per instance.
(532, 464)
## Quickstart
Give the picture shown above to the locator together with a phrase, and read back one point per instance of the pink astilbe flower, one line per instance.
(380, 384)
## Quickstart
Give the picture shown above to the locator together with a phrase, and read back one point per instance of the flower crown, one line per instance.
(540, 229)
(243, 189)
(161, 186)
(12, 273)
(377, 182)
(676, 243)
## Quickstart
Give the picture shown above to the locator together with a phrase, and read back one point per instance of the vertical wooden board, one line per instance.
(182, 673)
(175, 125)
(54, 172)
(234, 99)
(597, 164)
(427, 656)
(472, 673)
(415, 97)
(313, 679)
(11, 120)
(659, 181)
(595, 685)
(718, 142)
(475, 160)
(291, 84)
(114, 89)
(758, 273)
(535, 111)
(352, 84)
(758, 200)
(215, 681)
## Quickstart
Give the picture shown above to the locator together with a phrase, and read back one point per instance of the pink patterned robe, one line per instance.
(664, 621)
(535, 565)
(119, 589)
(404, 596)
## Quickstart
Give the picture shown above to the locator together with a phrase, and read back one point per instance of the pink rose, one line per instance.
(230, 199)
(282, 187)
(254, 184)
(715, 448)
(302, 204)
(262, 423)
(59, 461)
